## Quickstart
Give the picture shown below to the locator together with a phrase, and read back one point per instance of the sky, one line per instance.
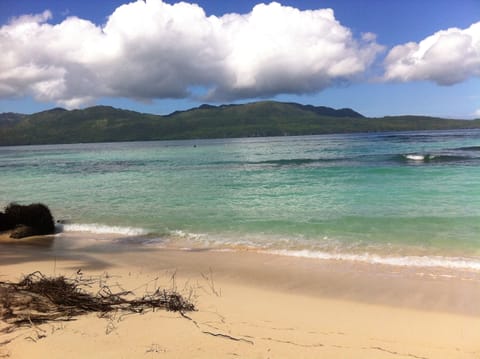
(379, 57)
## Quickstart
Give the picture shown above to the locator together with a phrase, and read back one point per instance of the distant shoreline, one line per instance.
(259, 119)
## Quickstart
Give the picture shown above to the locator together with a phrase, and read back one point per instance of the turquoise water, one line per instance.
(390, 195)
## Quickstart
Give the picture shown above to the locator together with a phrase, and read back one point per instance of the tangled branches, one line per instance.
(39, 299)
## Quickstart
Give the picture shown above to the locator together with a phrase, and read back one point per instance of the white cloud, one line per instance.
(277, 49)
(157, 50)
(446, 57)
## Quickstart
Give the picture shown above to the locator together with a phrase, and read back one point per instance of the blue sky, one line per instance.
(82, 53)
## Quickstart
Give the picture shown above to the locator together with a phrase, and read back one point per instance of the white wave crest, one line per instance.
(415, 157)
(405, 261)
(419, 157)
(103, 229)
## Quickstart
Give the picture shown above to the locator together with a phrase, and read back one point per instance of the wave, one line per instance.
(224, 243)
(468, 148)
(279, 162)
(418, 158)
(296, 161)
(403, 261)
(187, 235)
(288, 162)
(414, 157)
(102, 229)
(431, 157)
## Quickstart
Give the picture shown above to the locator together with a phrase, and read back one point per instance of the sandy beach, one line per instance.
(250, 305)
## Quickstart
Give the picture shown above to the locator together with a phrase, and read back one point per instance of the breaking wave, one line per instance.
(102, 229)
(429, 157)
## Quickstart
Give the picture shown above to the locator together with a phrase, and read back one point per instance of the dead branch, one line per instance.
(209, 279)
(39, 299)
(226, 336)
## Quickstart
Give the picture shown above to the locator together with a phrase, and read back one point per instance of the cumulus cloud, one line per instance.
(149, 50)
(277, 49)
(446, 57)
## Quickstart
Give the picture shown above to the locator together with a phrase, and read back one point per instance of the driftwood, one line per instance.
(39, 299)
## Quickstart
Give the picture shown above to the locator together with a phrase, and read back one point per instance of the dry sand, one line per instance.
(251, 305)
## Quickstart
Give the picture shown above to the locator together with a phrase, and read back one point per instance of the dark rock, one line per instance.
(5, 222)
(24, 221)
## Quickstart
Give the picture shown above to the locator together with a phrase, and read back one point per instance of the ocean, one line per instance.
(403, 198)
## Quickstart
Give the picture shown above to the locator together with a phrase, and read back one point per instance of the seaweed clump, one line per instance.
(38, 299)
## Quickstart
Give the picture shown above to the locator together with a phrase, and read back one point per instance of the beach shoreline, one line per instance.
(254, 305)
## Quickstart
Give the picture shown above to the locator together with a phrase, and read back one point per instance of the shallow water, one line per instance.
(399, 196)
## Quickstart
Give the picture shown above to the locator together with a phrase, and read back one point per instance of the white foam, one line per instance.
(419, 157)
(186, 235)
(217, 244)
(426, 261)
(103, 229)
(415, 157)
(405, 261)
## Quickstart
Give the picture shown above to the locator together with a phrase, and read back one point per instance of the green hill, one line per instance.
(267, 118)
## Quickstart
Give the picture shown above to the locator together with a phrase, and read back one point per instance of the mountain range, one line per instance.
(265, 118)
